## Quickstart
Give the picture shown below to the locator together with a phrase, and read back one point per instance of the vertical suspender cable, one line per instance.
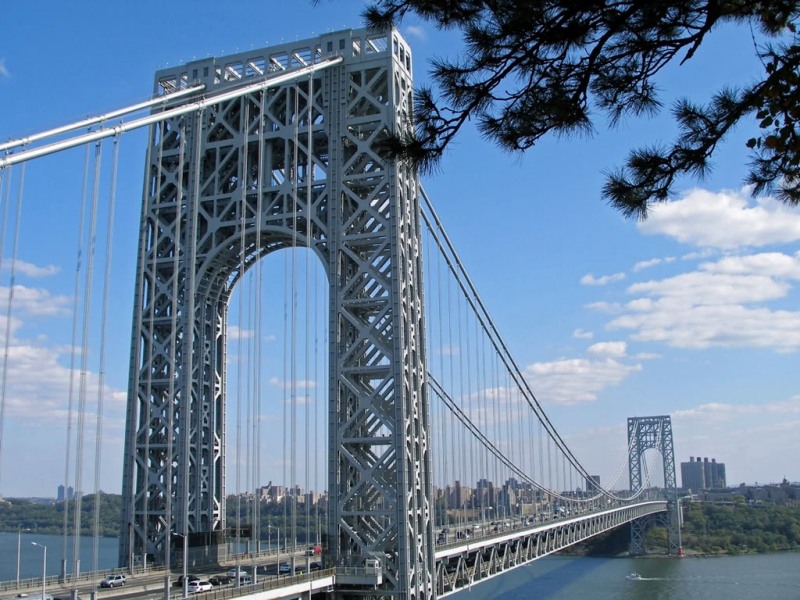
(5, 179)
(445, 475)
(240, 383)
(463, 450)
(286, 390)
(293, 320)
(309, 172)
(249, 409)
(259, 304)
(102, 350)
(254, 342)
(84, 368)
(10, 298)
(452, 349)
(74, 343)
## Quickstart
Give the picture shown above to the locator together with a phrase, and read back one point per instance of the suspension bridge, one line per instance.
(398, 396)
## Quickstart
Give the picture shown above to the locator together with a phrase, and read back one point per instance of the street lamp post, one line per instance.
(185, 573)
(44, 568)
(19, 542)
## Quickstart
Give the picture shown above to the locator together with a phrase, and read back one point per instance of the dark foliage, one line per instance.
(534, 67)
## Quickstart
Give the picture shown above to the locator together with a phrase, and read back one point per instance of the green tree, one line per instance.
(534, 67)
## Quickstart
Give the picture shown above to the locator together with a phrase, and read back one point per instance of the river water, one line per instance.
(30, 556)
(753, 577)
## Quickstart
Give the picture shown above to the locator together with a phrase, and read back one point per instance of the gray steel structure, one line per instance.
(461, 564)
(225, 186)
(646, 433)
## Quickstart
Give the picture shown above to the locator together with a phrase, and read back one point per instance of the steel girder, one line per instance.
(645, 433)
(459, 566)
(223, 188)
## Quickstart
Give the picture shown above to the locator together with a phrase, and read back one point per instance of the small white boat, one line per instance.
(633, 576)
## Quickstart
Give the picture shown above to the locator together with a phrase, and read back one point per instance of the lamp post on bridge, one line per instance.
(44, 568)
(185, 571)
(19, 547)
(484, 511)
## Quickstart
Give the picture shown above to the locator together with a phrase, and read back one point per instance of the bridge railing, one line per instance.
(269, 582)
(58, 581)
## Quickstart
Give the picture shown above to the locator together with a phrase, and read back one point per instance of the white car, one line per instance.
(113, 581)
(232, 573)
(201, 585)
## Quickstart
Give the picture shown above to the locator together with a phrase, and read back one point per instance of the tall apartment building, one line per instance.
(702, 474)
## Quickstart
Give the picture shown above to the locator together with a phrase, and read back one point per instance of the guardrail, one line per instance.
(270, 582)
(34, 583)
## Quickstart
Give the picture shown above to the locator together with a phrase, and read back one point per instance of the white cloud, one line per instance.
(299, 384)
(724, 220)
(699, 255)
(580, 334)
(647, 264)
(606, 307)
(35, 302)
(574, 380)
(30, 269)
(590, 279)
(771, 264)
(3, 70)
(416, 31)
(611, 349)
(235, 333)
(720, 326)
(707, 288)
(723, 304)
(39, 384)
(721, 411)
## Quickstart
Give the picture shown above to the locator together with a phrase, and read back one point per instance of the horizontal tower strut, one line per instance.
(100, 134)
(24, 141)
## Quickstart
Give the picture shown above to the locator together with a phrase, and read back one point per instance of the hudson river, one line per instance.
(751, 577)
(30, 556)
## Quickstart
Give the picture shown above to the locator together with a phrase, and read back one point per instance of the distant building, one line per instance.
(61, 496)
(593, 484)
(702, 474)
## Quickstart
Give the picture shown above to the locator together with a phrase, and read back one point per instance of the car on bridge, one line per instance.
(232, 573)
(189, 579)
(201, 585)
(113, 581)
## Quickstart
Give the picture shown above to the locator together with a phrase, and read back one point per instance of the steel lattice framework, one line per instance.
(228, 184)
(646, 433)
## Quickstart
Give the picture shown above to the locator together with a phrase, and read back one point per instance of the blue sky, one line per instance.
(692, 313)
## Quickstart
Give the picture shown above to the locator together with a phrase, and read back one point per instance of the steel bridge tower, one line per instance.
(646, 433)
(224, 187)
